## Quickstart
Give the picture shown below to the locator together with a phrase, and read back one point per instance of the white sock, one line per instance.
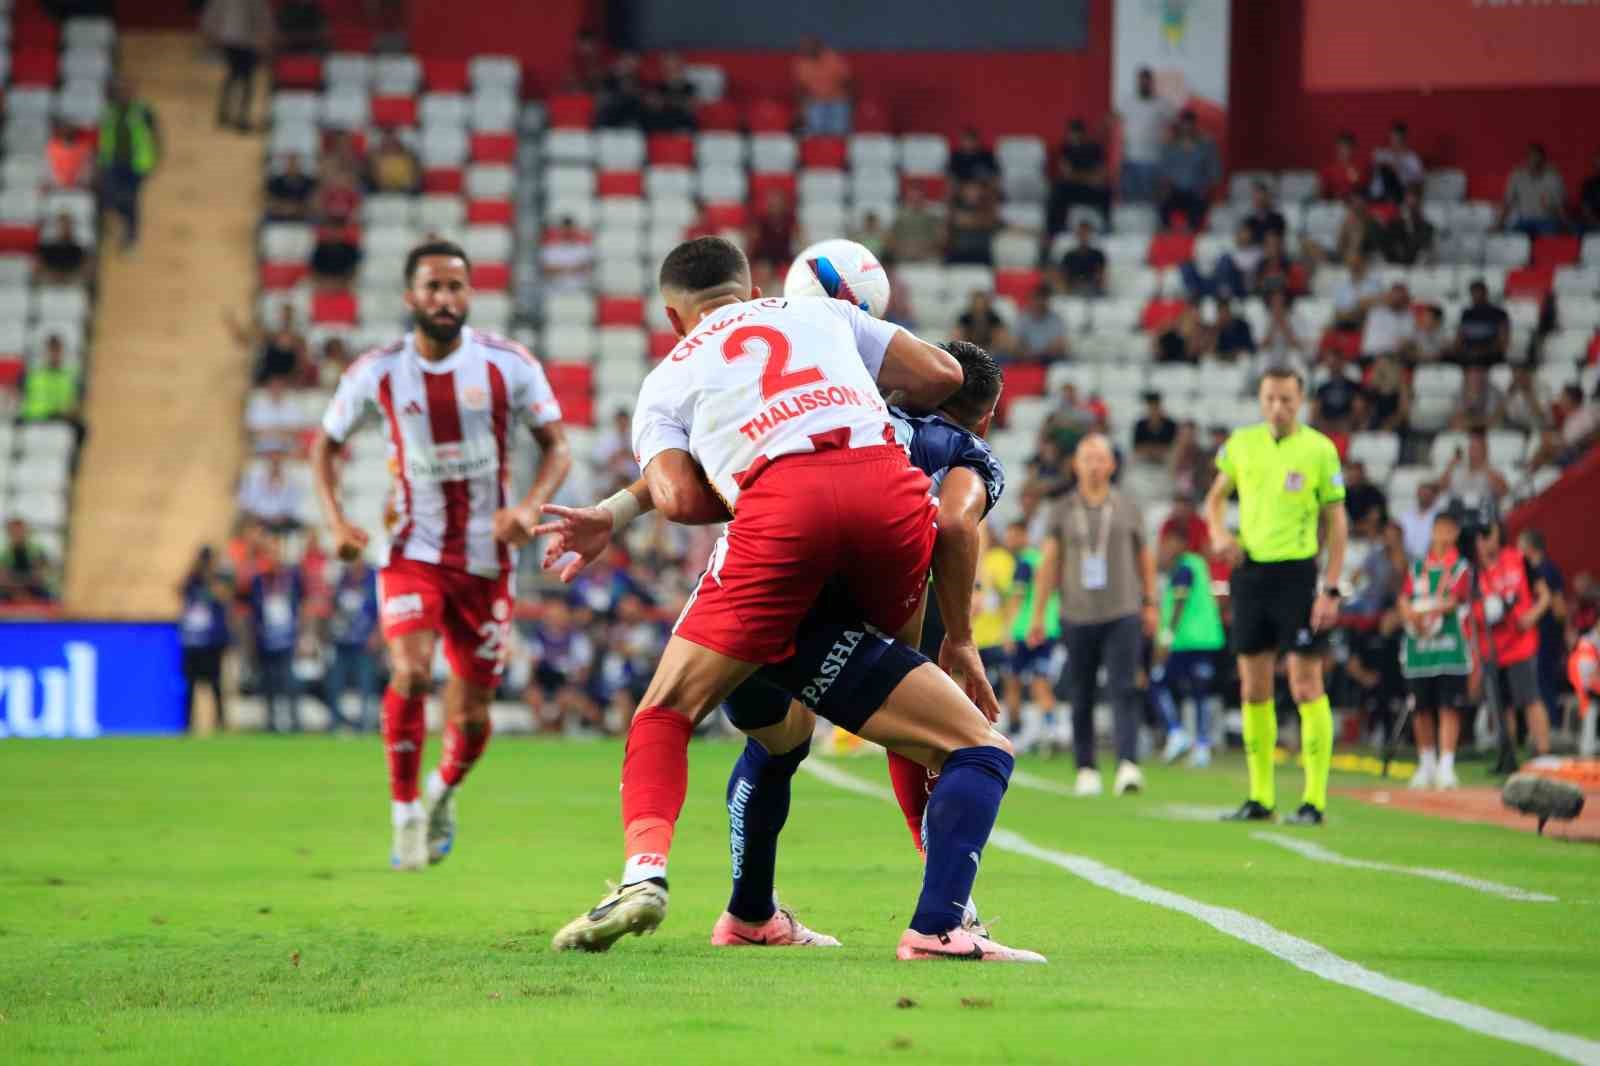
(1447, 762)
(435, 788)
(402, 812)
(1427, 759)
(1032, 719)
(644, 866)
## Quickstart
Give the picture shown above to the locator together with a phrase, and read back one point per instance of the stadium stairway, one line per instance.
(167, 383)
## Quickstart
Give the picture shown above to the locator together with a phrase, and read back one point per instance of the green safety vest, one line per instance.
(142, 147)
(1199, 627)
(1443, 651)
(1052, 608)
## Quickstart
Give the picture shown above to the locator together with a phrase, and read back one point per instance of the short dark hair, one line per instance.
(703, 263)
(431, 248)
(1478, 433)
(1399, 127)
(981, 381)
(1283, 372)
(1347, 136)
(1534, 537)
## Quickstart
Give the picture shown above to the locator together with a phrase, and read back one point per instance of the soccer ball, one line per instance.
(840, 270)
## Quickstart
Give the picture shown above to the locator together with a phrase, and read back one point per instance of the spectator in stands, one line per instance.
(1408, 236)
(669, 101)
(1188, 173)
(1155, 432)
(900, 311)
(1184, 521)
(290, 192)
(1431, 341)
(1390, 396)
(1527, 403)
(26, 573)
(1282, 343)
(822, 85)
(1274, 269)
(1083, 267)
(1360, 292)
(980, 324)
(130, 148)
(1041, 334)
(203, 631)
(1231, 274)
(1361, 232)
(1470, 477)
(871, 235)
(1481, 404)
(302, 27)
(620, 103)
(357, 646)
(970, 229)
(1264, 217)
(1334, 401)
(392, 167)
(1552, 658)
(917, 235)
(566, 258)
(1078, 178)
(343, 155)
(62, 257)
(1536, 197)
(562, 656)
(1390, 325)
(1068, 423)
(1377, 565)
(588, 63)
(335, 257)
(1484, 333)
(1186, 340)
(277, 604)
(1146, 121)
(276, 353)
(612, 459)
(332, 361)
(972, 161)
(69, 154)
(267, 496)
(1363, 499)
(272, 417)
(1395, 166)
(1416, 525)
(1186, 462)
(1576, 430)
(50, 389)
(1343, 176)
(1589, 198)
(338, 197)
(1234, 338)
(770, 239)
(242, 29)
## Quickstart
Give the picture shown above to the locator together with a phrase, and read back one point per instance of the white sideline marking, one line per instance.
(1042, 784)
(1318, 853)
(1194, 812)
(1302, 954)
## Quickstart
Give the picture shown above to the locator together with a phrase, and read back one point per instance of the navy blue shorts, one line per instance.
(1045, 661)
(843, 672)
(1188, 670)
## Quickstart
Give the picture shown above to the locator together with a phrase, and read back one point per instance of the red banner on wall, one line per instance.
(1449, 44)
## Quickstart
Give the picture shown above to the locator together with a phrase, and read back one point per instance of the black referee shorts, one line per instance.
(1272, 608)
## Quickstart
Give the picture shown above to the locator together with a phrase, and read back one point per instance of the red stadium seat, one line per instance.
(671, 150)
(19, 238)
(1346, 342)
(770, 116)
(569, 378)
(1530, 283)
(1556, 251)
(1158, 315)
(725, 216)
(35, 66)
(334, 307)
(443, 75)
(443, 180)
(825, 153)
(32, 28)
(764, 185)
(577, 408)
(393, 111)
(491, 277)
(620, 311)
(1170, 249)
(11, 372)
(1017, 283)
(1022, 379)
(935, 187)
(620, 183)
(281, 275)
(494, 147)
(718, 115)
(662, 341)
(570, 111)
(297, 72)
(871, 116)
(490, 212)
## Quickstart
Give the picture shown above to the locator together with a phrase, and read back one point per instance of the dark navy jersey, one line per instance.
(937, 446)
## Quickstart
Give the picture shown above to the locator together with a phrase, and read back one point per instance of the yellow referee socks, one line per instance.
(1316, 745)
(1260, 738)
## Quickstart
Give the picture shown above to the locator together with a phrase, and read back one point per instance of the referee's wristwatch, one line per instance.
(1331, 591)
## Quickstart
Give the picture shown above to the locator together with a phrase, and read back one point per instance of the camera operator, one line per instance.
(1507, 613)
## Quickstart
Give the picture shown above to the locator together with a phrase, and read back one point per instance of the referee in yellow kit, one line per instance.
(1289, 481)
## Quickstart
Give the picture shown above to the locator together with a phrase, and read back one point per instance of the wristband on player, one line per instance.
(623, 507)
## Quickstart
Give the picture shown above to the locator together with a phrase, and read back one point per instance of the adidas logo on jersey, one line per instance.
(412, 408)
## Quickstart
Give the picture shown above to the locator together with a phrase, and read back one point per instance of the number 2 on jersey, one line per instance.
(751, 341)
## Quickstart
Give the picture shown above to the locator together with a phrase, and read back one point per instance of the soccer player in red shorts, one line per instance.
(447, 395)
(769, 410)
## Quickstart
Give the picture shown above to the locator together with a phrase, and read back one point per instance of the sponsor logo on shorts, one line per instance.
(408, 605)
(828, 672)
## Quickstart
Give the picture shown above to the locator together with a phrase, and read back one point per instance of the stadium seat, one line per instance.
(1555, 251)
(440, 212)
(1507, 250)
(1589, 253)
(716, 148)
(493, 113)
(1171, 249)
(718, 115)
(394, 111)
(924, 153)
(723, 184)
(1572, 279)
(1446, 185)
(1297, 187)
(1529, 283)
(773, 152)
(493, 147)
(629, 183)
(1015, 249)
(669, 182)
(871, 150)
(491, 277)
(824, 152)
(621, 311)
(763, 185)
(488, 243)
(671, 149)
(1017, 284)
(769, 116)
(619, 149)
(441, 74)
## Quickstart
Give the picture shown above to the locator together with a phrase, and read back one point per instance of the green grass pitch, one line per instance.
(229, 901)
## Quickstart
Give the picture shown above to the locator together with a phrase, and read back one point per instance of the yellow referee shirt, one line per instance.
(996, 570)
(1283, 486)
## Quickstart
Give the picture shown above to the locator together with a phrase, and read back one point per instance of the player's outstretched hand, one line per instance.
(514, 526)
(582, 531)
(349, 542)
(965, 666)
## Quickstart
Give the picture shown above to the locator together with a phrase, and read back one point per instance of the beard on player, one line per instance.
(442, 327)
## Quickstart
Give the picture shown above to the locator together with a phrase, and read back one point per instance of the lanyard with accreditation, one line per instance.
(1092, 565)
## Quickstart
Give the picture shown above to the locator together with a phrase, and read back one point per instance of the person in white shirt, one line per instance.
(1390, 325)
(1146, 120)
(267, 495)
(566, 258)
(1357, 295)
(1416, 525)
(1395, 166)
(272, 416)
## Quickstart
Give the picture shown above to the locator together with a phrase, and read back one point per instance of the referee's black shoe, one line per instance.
(1306, 815)
(1249, 811)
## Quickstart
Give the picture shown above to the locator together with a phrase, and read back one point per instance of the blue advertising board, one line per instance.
(90, 679)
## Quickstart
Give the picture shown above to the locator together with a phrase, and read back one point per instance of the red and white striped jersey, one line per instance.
(448, 425)
(762, 379)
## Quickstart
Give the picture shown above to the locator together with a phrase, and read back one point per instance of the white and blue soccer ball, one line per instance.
(840, 270)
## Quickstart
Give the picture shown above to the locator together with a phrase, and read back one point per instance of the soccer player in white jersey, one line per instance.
(448, 396)
(768, 410)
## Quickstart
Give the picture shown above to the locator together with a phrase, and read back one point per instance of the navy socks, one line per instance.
(960, 816)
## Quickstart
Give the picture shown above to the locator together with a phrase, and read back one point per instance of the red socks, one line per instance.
(912, 783)
(405, 727)
(655, 777)
(462, 747)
